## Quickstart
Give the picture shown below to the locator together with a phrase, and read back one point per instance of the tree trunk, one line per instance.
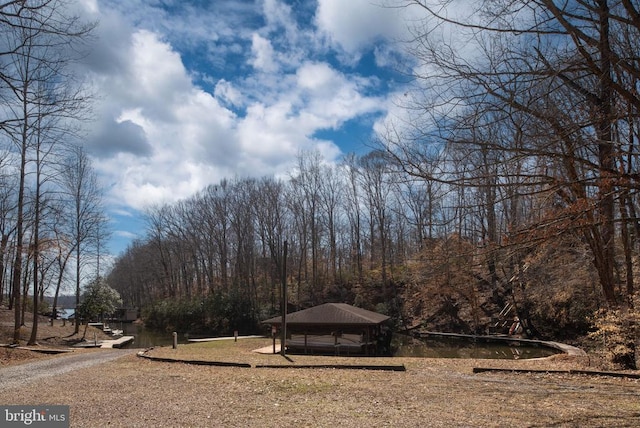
(606, 260)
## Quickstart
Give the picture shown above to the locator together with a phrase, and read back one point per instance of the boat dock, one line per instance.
(116, 343)
(106, 344)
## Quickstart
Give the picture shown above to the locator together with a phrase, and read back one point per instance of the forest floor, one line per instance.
(137, 392)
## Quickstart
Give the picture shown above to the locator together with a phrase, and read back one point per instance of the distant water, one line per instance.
(66, 313)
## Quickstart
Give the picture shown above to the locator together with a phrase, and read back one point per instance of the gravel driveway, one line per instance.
(23, 374)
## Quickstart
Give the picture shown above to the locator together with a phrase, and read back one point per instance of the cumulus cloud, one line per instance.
(357, 25)
(279, 17)
(332, 96)
(228, 93)
(263, 55)
(165, 136)
(188, 101)
(114, 137)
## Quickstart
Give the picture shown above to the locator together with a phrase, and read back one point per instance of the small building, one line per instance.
(334, 328)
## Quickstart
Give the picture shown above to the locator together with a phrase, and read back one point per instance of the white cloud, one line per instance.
(90, 6)
(159, 78)
(160, 137)
(357, 25)
(263, 54)
(193, 92)
(228, 93)
(185, 128)
(278, 15)
(332, 96)
(125, 234)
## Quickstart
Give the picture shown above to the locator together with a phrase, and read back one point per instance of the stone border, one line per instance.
(567, 349)
(564, 348)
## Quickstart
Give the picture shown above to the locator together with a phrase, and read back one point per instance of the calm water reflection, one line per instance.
(406, 346)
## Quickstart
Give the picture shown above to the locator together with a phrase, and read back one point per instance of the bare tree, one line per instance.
(353, 211)
(305, 198)
(331, 185)
(85, 212)
(38, 39)
(7, 227)
(269, 211)
(376, 187)
(564, 68)
(62, 249)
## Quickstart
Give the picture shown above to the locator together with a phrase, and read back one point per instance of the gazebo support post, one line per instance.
(283, 343)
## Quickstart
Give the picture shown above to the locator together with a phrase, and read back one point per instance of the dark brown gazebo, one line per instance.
(336, 328)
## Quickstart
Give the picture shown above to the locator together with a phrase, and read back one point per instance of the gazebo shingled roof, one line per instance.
(331, 314)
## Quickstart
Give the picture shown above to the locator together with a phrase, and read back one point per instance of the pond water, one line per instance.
(453, 347)
(144, 338)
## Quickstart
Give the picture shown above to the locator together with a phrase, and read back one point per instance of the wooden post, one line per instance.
(175, 340)
(283, 341)
(274, 332)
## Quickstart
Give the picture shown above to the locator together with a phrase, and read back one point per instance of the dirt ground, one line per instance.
(137, 392)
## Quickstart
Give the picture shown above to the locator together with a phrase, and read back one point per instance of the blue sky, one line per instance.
(190, 92)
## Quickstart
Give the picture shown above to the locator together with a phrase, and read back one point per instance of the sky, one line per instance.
(189, 92)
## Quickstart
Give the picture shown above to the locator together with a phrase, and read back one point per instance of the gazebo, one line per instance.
(336, 328)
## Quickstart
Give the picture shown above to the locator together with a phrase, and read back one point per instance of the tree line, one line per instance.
(344, 225)
(51, 217)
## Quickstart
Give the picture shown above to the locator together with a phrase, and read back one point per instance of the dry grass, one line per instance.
(135, 392)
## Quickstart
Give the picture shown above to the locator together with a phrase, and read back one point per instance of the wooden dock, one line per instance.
(116, 343)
